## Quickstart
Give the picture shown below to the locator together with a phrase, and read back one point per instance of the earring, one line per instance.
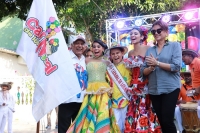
(102, 52)
(141, 42)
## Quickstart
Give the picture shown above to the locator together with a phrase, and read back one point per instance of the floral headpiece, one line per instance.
(143, 31)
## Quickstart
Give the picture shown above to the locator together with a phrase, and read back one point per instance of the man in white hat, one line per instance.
(68, 111)
(4, 102)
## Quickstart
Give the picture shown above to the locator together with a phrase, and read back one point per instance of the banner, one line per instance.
(45, 52)
(118, 79)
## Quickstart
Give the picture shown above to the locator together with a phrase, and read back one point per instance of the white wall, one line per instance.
(13, 69)
(9, 66)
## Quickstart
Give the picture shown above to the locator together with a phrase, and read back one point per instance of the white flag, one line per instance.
(45, 52)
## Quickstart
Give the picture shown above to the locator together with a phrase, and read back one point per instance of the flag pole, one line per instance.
(38, 127)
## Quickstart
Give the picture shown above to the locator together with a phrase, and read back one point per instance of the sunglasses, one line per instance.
(158, 31)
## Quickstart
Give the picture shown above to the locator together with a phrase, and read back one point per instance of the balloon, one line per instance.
(193, 43)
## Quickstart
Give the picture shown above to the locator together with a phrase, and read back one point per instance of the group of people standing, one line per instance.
(134, 95)
(7, 107)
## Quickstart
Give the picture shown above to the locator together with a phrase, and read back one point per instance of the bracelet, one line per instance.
(158, 63)
(151, 69)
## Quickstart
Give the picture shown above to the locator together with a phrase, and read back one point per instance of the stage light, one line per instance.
(188, 15)
(166, 18)
(138, 22)
(120, 24)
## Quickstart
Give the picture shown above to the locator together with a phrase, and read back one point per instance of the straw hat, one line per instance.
(116, 45)
(8, 84)
(190, 52)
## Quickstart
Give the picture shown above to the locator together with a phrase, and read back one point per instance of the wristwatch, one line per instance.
(158, 63)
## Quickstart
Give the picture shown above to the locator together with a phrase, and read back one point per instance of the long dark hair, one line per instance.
(101, 43)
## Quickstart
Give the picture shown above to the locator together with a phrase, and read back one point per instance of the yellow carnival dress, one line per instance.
(118, 100)
(96, 114)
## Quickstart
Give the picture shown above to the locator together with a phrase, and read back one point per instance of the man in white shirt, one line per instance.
(4, 104)
(69, 110)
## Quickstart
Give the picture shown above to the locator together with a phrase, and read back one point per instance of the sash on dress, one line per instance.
(118, 79)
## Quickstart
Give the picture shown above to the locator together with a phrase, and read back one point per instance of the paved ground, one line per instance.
(23, 121)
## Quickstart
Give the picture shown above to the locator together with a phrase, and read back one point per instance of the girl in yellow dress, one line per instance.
(96, 114)
(119, 100)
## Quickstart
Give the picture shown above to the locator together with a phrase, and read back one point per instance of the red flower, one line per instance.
(151, 117)
(143, 121)
(142, 105)
(157, 130)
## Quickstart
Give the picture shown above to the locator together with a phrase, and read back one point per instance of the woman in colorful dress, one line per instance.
(96, 114)
(140, 117)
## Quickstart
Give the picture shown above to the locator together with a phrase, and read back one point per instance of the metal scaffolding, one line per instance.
(177, 17)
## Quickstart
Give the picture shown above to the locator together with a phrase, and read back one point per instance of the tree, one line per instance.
(89, 15)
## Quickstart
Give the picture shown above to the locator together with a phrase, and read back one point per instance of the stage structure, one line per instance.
(116, 27)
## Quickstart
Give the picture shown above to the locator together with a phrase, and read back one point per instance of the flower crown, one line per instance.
(144, 30)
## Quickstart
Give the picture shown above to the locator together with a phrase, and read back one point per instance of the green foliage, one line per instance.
(90, 16)
(30, 84)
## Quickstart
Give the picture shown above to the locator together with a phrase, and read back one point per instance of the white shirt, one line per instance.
(81, 62)
(4, 100)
